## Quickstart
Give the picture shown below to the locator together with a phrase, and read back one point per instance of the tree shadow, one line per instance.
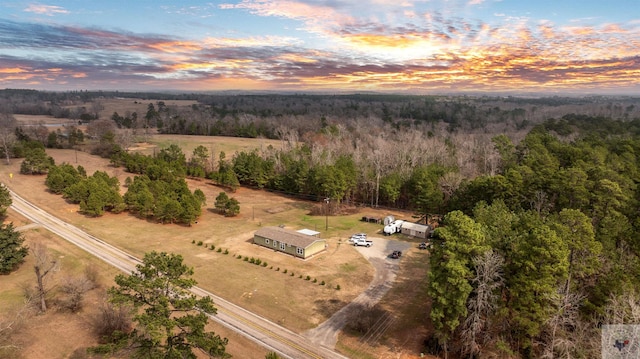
(329, 307)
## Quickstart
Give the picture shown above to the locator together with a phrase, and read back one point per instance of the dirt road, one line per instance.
(326, 334)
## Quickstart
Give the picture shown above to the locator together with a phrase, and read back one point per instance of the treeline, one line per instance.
(533, 260)
(56, 104)
(158, 191)
(295, 171)
(529, 260)
(261, 115)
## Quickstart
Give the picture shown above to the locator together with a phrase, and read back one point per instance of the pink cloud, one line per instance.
(48, 10)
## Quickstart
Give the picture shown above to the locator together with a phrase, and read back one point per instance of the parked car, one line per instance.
(357, 236)
(395, 254)
(362, 242)
(423, 245)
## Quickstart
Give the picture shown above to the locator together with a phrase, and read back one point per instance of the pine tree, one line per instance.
(12, 252)
(170, 320)
(5, 200)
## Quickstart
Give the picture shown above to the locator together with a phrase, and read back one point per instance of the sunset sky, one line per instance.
(402, 46)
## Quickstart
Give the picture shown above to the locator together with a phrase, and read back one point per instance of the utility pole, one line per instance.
(326, 213)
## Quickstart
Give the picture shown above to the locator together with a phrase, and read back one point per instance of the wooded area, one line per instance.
(539, 243)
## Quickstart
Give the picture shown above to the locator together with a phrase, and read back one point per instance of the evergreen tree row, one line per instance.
(166, 198)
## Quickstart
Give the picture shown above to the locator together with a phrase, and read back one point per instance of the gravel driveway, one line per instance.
(326, 334)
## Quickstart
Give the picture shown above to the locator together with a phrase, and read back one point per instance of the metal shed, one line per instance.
(416, 230)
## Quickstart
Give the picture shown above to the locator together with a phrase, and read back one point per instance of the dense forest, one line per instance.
(266, 114)
(538, 246)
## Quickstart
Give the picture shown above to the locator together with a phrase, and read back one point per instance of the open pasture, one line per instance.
(287, 290)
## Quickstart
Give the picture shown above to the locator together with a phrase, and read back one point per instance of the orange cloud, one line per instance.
(14, 70)
(575, 30)
(176, 46)
(393, 41)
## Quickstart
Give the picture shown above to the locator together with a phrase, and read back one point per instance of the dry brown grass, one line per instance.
(292, 301)
(289, 300)
(60, 334)
(124, 105)
(282, 298)
(55, 334)
(215, 144)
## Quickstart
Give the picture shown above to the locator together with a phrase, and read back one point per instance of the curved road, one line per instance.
(262, 331)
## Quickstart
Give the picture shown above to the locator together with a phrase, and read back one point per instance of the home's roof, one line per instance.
(415, 226)
(287, 236)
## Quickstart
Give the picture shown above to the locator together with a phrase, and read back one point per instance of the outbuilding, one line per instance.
(291, 242)
(416, 229)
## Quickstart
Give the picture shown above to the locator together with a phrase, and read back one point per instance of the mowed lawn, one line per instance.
(294, 302)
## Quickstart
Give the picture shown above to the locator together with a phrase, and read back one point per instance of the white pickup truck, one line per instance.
(362, 242)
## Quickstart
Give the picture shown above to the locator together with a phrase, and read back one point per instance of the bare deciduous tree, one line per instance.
(482, 302)
(98, 128)
(112, 319)
(74, 289)
(449, 183)
(10, 325)
(380, 158)
(623, 309)
(44, 265)
(560, 340)
(540, 201)
(38, 132)
(96, 108)
(125, 138)
(8, 126)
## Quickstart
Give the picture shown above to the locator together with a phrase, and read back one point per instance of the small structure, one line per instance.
(371, 219)
(309, 232)
(415, 230)
(291, 242)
